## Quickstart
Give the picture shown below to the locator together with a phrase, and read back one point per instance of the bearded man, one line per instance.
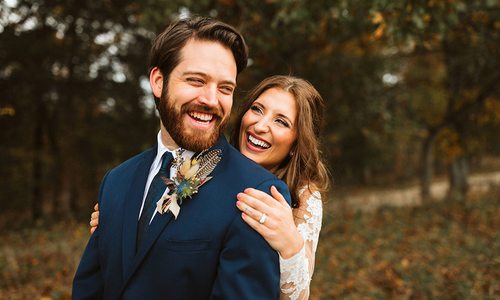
(168, 225)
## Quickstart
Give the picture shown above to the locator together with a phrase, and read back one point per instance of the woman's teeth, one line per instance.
(258, 142)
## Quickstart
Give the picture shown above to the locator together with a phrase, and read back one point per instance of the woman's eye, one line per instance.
(255, 108)
(283, 123)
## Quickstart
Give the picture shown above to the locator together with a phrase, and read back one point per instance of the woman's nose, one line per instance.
(262, 125)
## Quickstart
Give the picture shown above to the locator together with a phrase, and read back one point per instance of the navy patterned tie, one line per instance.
(156, 190)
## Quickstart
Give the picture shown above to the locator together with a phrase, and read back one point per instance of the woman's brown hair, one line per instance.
(304, 166)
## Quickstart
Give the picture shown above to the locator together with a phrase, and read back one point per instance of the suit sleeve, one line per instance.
(88, 282)
(248, 266)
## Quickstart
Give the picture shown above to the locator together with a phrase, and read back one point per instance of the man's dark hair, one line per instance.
(165, 52)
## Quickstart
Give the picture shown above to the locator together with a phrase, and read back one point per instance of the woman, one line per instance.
(279, 128)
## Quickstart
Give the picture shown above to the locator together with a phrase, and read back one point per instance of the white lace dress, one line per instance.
(296, 271)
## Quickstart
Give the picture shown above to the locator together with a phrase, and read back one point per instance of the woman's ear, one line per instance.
(156, 81)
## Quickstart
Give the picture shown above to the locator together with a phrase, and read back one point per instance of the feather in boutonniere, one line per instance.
(191, 175)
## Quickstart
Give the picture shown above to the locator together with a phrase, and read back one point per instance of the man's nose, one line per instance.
(209, 96)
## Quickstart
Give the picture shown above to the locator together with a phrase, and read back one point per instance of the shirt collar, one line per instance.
(187, 154)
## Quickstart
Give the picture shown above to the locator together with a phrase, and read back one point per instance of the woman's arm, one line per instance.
(296, 272)
(293, 233)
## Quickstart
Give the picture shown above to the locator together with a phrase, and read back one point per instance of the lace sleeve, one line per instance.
(296, 271)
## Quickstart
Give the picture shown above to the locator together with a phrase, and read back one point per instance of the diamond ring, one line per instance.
(263, 218)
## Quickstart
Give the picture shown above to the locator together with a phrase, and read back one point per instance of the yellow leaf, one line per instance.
(377, 18)
(8, 110)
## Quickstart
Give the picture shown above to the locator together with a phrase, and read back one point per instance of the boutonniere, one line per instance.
(191, 175)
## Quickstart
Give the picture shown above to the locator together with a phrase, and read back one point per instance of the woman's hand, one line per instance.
(272, 218)
(94, 218)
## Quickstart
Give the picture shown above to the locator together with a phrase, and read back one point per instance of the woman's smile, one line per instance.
(257, 143)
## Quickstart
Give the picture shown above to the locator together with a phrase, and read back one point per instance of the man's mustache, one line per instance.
(202, 108)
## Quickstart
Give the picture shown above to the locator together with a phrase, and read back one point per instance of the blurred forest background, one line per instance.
(413, 96)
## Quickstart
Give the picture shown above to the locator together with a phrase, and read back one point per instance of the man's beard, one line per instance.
(190, 138)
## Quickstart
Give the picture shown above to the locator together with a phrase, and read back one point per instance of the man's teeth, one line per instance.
(202, 117)
(258, 142)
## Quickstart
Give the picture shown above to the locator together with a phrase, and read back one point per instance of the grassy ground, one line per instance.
(445, 250)
(39, 262)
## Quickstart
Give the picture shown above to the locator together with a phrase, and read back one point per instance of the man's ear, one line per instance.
(156, 81)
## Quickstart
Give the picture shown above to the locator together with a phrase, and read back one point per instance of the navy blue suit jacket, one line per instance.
(209, 252)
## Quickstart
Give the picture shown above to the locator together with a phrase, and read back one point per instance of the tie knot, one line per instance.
(166, 159)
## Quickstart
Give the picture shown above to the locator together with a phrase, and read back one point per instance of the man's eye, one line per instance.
(226, 90)
(197, 81)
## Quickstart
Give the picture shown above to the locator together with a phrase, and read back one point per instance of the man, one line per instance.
(206, 251)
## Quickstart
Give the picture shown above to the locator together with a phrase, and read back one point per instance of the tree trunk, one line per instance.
(60, 186)
(61, 138)
(458, 177)
(37, 200)
(367, 175)
(427, 166)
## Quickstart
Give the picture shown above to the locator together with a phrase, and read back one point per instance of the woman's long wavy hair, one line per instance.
(304, 166)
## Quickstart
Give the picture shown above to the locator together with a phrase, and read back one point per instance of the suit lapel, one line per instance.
(132, 207)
